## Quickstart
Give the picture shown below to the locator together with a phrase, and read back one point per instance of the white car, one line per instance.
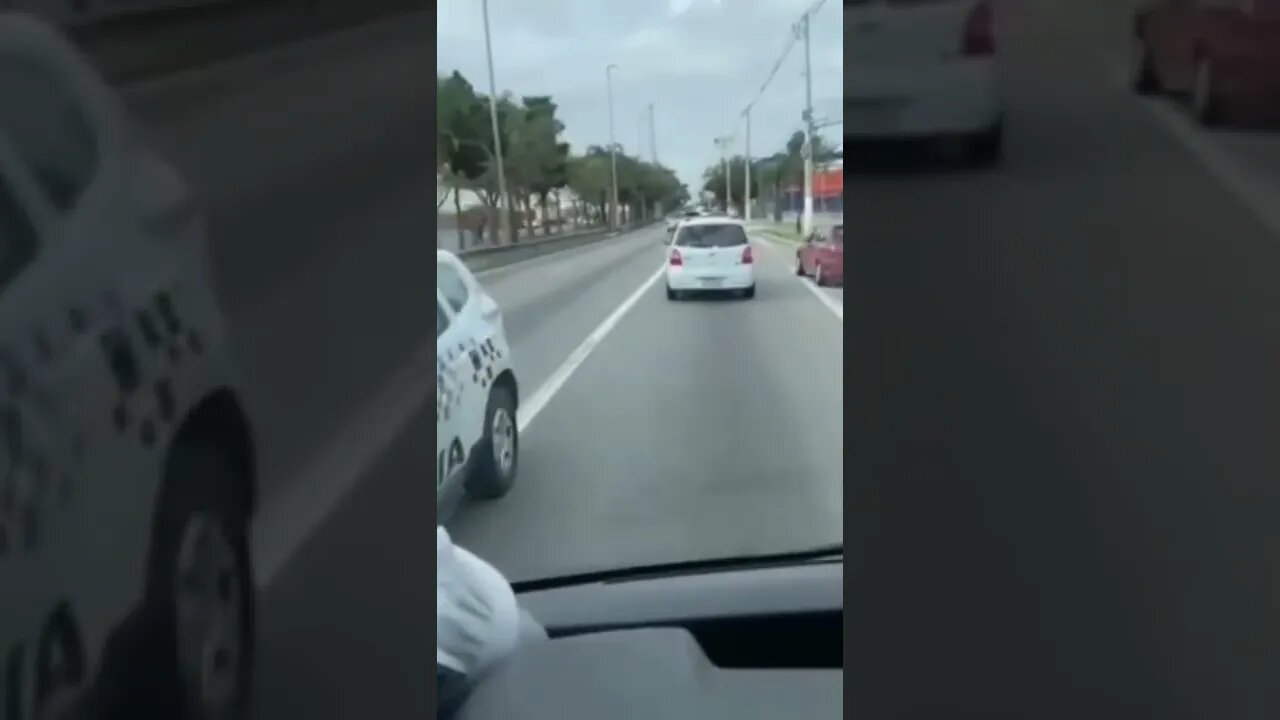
(710, 254)
(127, 472)
(477, 439)
(923, 69)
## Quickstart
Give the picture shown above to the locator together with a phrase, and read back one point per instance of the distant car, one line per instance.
(1222, 54)
(674, 221)
(822, 257)
(710, 254)
(923, 69)
(477, 440)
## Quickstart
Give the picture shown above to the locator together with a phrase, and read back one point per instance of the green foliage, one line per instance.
(536, 160)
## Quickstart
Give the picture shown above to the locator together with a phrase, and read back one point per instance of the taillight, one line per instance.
(979, 32)
(747, 257)
(675, 258)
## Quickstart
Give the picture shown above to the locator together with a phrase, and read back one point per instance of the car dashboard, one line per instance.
(752, 643)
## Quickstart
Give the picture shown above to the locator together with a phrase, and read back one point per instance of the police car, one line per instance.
(477, 440)
(127, 473)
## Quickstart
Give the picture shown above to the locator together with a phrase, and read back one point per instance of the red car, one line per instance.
(1223, 54)
(822, 257)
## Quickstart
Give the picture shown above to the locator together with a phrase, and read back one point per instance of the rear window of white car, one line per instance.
(707, 236)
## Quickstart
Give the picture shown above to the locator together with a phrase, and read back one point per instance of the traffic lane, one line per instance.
(550, 306)
(344, 628)
(1068, 423)
(318, 244)
(696, 429)
(331, 330)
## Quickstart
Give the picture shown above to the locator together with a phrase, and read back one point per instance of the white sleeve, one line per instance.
(477, 617)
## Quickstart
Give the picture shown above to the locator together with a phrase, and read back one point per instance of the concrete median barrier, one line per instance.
(488, 258)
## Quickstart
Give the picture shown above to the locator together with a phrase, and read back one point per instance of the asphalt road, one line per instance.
(1065, 405)
(312, 163)
(695, 429)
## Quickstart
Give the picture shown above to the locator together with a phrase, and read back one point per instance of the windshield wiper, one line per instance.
(686, 567)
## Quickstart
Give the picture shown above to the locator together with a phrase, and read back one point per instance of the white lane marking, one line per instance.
(836, 308)
(537, 401)
(1255, 192)
(288, 517)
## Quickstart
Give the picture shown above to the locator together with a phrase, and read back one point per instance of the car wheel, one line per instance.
(749, 293)
(799, 266)
(201, 585)
(1204, 101)
(672, 294)
(498, 452)
(817, 275)
(1144, 79)
(986, 148)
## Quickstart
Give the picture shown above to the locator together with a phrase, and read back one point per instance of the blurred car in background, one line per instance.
(710, 254)
(923, 69)
(477, 439)
(1224, 55)
(822, 257)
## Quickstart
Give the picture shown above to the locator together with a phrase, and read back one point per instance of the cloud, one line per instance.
(698, 61)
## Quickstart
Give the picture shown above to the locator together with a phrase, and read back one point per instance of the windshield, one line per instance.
(651, 430)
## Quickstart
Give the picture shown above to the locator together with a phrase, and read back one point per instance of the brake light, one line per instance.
(747, 257)
(675, 258)
(979, 32)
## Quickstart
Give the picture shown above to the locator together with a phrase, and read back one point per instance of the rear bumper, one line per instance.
(956, 97)
(739, 277)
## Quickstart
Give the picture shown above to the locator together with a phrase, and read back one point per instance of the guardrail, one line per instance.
(495, 256)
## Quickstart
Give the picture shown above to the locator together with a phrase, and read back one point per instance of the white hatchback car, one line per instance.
(710, 254)
(923, 69)
(477, 439)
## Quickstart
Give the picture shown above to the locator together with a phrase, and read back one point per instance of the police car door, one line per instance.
(456, 420)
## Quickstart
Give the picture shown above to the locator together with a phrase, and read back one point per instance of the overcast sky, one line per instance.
(699, 61)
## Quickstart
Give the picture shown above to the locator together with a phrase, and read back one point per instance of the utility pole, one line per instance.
(807, 218)
(504, 220)
(613, 150)
(653, 137)
(722, 142)
(746, 161)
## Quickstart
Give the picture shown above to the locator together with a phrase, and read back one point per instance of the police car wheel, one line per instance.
(201, 587)
(498, 453)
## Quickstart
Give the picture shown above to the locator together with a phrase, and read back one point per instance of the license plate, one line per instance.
(712, 282)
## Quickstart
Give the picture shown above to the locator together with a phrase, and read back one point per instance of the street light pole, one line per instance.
(746, 161)
(504, 219)
(722, 143)
(613, 149)
(807, 218)
(653, 137)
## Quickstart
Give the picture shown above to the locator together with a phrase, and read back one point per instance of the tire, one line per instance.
(1205, 104)
(749, 293)
(799, 266)
(987, 147)
(1144, 79)
(672, 294)
(201, 533)
(490, 477)
(817, 275)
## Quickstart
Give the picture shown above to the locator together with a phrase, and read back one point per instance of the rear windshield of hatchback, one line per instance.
(707, 236)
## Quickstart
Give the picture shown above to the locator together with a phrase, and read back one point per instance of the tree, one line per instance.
(713, 182)
(462, 156)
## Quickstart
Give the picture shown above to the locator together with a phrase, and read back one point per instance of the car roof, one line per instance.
(712, 220)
